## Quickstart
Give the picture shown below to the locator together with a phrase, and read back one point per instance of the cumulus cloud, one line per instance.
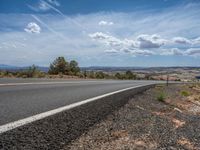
(181, 40)
(177, 52)
(193, 51)
(105, 23)
(111, 51)
(112, 41)
(150, 41)
(122, 36)
(196, 41)
(145, 45)
(99, 36)
(107, 39)
(142, 52)
(172, 51)
(32, 27)
(136, 47)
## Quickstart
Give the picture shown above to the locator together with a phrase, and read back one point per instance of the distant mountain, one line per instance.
(2, 66)
(110, 69)
(103, 68)
(17, 68)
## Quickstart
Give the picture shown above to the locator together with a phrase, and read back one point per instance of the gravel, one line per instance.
(57, 131)
(144, 123)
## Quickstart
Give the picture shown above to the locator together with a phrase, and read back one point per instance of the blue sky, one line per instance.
(100, 33)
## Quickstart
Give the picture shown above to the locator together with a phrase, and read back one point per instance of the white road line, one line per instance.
(44, 83)
(15, 124)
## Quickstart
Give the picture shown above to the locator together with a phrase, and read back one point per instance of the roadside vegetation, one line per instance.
(66, 69)
(61, 68)
(161, 95)
(146, 123)
(185, 93)
(30, 72)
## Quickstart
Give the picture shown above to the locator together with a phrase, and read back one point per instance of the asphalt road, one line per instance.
(21, 98)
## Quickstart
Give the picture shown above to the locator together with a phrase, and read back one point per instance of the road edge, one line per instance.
(65, 123)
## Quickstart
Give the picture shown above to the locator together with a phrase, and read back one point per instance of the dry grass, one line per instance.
(186, 144)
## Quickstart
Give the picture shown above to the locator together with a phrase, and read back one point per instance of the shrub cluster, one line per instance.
(61, 66)
(30, 72)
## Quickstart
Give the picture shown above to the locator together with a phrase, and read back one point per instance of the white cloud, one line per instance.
(181, 40)
(150, 41)
(49, 28)
(105, 23)
(140, 45)
(173, 51)
(134, 47)
(177, 52)
(121, 37)
(43, 5)
(193, 51)
(196, 41)
(142, 52)
(113, 42)
(107, 40)
(111, 51)
(32, 27)
(100, 36)
(54, 2)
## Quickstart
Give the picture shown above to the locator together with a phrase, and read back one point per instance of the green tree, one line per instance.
(60, 65)
(85, 74)
(31, 71)
(129, 75)
(74, 68)
(118, 76)
(99, 75)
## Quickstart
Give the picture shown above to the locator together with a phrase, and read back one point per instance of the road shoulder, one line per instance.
(149, 122)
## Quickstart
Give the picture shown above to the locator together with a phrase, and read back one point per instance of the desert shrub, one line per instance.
(185, 93)
(80, 75)
(161, 97)
(99, 75)
(2, 74)
(40, 74)
(129, 75)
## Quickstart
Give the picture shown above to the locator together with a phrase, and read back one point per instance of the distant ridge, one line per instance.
(102, 68)
(17, 68)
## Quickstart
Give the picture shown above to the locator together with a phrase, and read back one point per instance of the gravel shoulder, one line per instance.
(149, 122)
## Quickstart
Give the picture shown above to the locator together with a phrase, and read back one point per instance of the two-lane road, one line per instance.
(22, 98)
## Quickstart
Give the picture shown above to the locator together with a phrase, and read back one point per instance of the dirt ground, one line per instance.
(160, 118)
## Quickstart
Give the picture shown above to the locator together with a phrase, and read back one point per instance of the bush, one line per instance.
(161, 97)
(185, 93)
(74, 68)
(100, 75)
(2, 74)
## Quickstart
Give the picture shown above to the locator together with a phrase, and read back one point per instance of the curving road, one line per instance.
(21, 98)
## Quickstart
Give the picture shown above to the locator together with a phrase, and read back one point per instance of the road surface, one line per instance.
(22, 98)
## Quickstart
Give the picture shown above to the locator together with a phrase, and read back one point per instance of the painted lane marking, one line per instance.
(46, 83)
